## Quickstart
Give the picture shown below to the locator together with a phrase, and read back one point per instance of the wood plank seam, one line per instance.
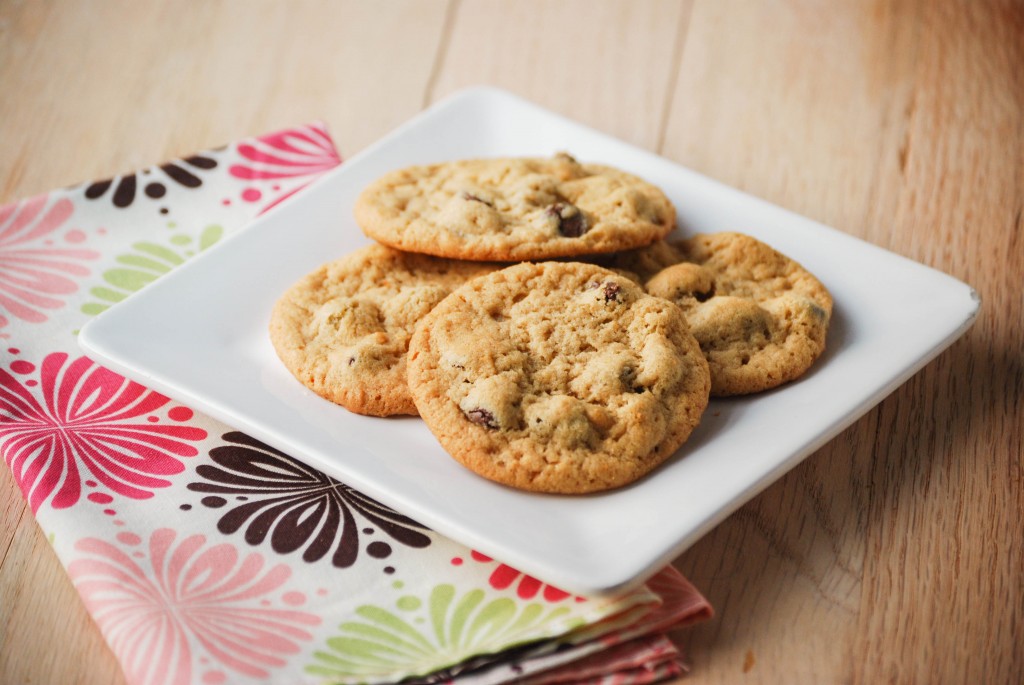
(443, 43)
(682, 31)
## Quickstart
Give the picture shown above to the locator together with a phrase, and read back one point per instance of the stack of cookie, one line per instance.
(532, 313)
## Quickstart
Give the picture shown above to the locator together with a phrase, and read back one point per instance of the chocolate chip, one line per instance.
(611, 291)
(351, 361)
(482, 417)
(470, 197)
(705, 295)
(571, 222)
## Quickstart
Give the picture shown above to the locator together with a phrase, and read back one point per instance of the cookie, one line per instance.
(513, 209)
(557, 377)
(642, 263)
(761, 318)
(343, 330)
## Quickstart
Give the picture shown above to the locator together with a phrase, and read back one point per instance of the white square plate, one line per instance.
(199, 335)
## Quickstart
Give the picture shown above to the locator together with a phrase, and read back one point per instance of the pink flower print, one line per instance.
(185, 603)
(681, 603)
(289, 160)
(37, 271)
(89, 417)
(617, 665)
(527, 587)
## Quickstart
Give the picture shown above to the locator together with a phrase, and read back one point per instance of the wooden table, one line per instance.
(893, 554)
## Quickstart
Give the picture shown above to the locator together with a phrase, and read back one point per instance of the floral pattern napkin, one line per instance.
(205, 556)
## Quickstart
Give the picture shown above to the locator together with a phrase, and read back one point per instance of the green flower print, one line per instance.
(443, 631)
(147, 262)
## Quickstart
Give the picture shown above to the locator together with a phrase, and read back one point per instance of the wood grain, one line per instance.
(890, 553)
(611, 71)
(894, 553)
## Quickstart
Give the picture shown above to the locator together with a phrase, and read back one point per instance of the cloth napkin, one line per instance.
(205, 556)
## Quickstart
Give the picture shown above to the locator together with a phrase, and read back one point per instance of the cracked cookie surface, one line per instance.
(343, 330)
(557, 377)
(513, 209)
(760, 317)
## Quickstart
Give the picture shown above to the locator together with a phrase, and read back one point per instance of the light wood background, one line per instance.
(895, 553)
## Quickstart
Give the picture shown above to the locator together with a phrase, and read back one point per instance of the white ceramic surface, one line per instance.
(199, 335)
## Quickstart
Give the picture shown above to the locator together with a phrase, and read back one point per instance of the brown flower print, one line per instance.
(275, 496)
(126, 188)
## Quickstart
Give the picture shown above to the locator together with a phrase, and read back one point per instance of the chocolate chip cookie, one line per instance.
(514, 209)
(343, 330)
(761, 318)
(557, 377)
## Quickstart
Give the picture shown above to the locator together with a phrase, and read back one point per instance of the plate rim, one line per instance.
(93, 344)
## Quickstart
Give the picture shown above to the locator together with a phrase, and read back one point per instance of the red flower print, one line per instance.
(186, 603)
(38, 267)
(505, 576)
(290, 160)
(630, 663)
(91, 418)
